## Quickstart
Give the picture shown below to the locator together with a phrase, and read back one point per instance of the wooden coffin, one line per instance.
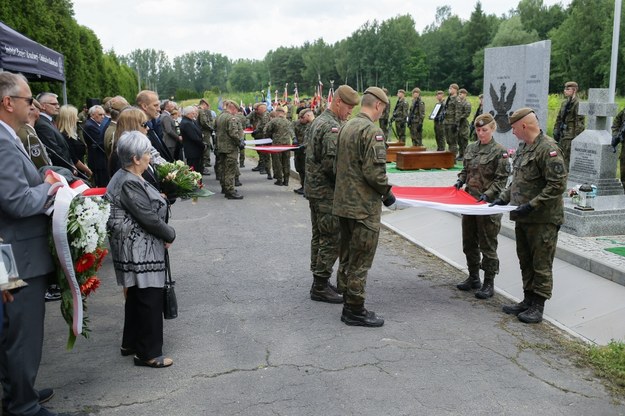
(391, 152)
(425, 160)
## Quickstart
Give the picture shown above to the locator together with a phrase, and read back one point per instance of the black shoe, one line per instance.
(517, 308)
(262, 171)
(285, 183)
(237, 182)
(361, 317)
(223, 191)
(234, 196)
(487, 290)
(52, 295)
(257, 168)
(278, 182)
(269, 177)
(206, 171)
(45, 412)
(299, 191)
(45, 395)
(471, 282)
(323, 292)
(241, 165)
(533, 314)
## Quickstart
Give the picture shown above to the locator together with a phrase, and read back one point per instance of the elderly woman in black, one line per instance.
(139, 236)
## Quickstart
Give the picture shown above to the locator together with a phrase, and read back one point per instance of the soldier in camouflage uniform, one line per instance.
(463, 111)
(257, 119)
(300, 127)
(207, 124)
(416, 117)
(485, 172)
(319, 189)
(439, 127)
(617, 125)
(400, 115)
(385, 123)
(569, 124)
(539, 179)
(279, 129)
(243, 120)
(361, 187)
(229, 139)
(450, 123)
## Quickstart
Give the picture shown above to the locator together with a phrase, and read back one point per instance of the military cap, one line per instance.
(402, 91)
(37, 104)
(347, 95)
(440, 92)
(385, 91)
(483, 119)
(118, 105)
(572, 84)
(106, 100)
(454, 86)
(416, 89)
(463, 91)
(481, 96)
(281, 109)
(377, 93)
(519, 114)
(203, 100)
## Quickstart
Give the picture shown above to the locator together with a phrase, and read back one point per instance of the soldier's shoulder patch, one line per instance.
(558, 168)
(553, 153)
(379, 138)
(335, 130)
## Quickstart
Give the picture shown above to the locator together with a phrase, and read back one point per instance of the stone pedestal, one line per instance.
(608, 218)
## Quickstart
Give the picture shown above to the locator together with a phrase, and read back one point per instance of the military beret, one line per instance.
(106, 100)
(385, 91)
(402, 91)
(118, 105)
(454, 86)
(571, 84)
(203, 100)
(347, 95)
(463, 91)
(519, 114)
(439, 92)
(416, 89)
(37, 104)
(483, 119)
(377, 93)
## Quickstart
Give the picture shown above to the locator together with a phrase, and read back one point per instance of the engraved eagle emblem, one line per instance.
(502, 105)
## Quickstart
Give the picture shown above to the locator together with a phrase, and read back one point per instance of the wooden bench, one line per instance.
(425, 160)
(391, 152)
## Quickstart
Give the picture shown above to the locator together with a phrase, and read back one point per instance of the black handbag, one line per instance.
(170, 303)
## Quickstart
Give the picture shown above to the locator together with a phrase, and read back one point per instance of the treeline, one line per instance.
(390, 53)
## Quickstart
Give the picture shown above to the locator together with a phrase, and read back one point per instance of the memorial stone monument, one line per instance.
(593, 162)
(515, 77)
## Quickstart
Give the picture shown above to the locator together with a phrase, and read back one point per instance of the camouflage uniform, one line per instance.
(229, 135)
(319, 189)
(385, 123)
(258, 122)
(616, 127)
(299, 156)
(439, 128)
(243, 121)
(539, 178)
(400, 114)
(485, 172)
(415, 121)
(463, 111)
(280, 131)
(207, 124)
(451, 128)
(568, 127)
(361, 182)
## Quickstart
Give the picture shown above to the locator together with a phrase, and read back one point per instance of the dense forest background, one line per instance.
(390, 53)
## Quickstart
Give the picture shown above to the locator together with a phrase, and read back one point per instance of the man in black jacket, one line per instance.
(192, 138)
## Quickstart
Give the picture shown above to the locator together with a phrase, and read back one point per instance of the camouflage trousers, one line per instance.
(206, 156)
(439, 133)
(536, 248)
(326, 237)
(565, 146)
(416, 134)
(299, 158)
(479, 242)
(385, 125)
(281, 163)
(359, 241)
(463, 139)
(228, 170)
(401, 130)
(265, 160)
(451, 135)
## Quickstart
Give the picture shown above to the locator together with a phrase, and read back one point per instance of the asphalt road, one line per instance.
(249, 341)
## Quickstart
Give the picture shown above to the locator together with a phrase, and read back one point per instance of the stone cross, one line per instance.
(598, 109)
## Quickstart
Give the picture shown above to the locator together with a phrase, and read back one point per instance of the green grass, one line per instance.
(609, 361)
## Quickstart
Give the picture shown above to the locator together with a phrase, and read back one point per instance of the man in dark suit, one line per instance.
(148, 102)
(50, 136)
(170, 136)
(23, 224)
(192, 141)
(95, 139)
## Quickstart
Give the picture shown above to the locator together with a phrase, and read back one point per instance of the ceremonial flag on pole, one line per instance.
(330, 96)
(296, 96)
(220, 104)
(286, 92)
(269, 106)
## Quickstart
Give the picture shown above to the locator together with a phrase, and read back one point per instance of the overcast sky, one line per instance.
(251, 28)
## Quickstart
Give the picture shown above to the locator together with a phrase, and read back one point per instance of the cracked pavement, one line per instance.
(249, 341)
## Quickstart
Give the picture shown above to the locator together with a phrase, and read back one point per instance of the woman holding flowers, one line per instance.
(139, 236)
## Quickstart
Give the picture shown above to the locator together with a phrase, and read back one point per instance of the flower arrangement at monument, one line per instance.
(177, 179)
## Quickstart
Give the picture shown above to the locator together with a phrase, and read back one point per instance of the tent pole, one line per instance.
(64, 92)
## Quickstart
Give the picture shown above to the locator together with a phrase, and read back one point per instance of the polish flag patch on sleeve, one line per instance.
(553, 153)
(379, 138)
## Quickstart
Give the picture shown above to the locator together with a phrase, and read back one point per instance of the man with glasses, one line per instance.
(94, 138)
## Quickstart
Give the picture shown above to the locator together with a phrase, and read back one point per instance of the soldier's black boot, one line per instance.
(522, 306)
(359, 316)
(471, 282)
(233, 195)
(285, 181)
(269, 177)
(237, 182)
(533, 314)
(488, 287)
(258, 167)
(321, 291)
(278, 182)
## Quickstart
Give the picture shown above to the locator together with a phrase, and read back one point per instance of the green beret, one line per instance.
(519, 114)
(416, 89)
(572, 84)
(439, 92)
(347, 95)
(454, 86)
(402, 91)
(483, 120)
(463, 91)
(377, 93)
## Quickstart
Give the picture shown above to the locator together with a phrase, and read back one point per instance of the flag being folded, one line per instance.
(273, 149)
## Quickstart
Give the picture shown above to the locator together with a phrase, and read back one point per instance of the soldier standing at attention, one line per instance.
(569, 124)
(279, 129)
(463, 111)
(478, 112)
(439, 127)
(229, 138)
(361, 187)
(416, 117)
(400, 116)
(207, 124)
(450, 123)
(300, 127)
(538, 181)
(485, 172)
(319, 189)
(384, 119)
(258, 119)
